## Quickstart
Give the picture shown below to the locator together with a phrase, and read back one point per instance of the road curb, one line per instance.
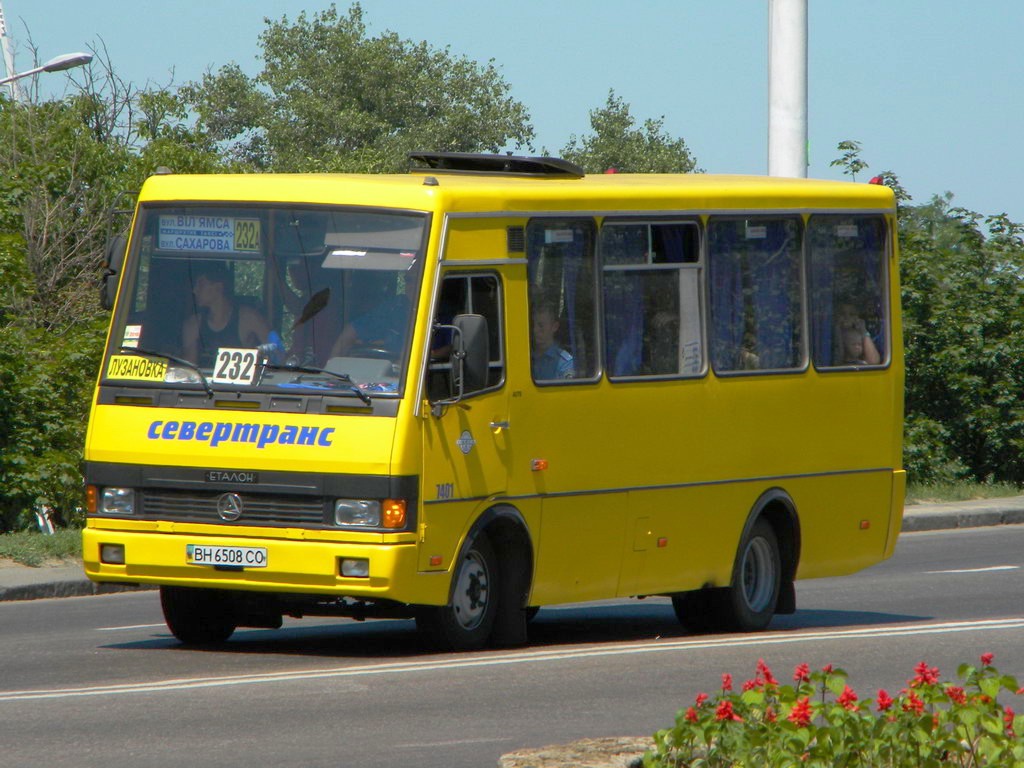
(942, 517)
(68, 588)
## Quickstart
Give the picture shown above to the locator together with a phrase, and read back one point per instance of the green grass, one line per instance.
(961, 491)
(35, 549)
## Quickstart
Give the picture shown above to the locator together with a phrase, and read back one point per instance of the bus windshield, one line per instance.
(268, 298)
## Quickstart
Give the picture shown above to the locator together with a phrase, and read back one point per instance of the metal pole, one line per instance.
(787, 88)
(8, 57)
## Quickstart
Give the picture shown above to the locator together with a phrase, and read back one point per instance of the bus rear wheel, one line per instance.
(748, 605)
(197, 616)
(466, 622)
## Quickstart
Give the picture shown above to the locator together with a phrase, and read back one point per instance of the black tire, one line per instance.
(197, 616)
(698, 611)
(466, 622)
(748, 604)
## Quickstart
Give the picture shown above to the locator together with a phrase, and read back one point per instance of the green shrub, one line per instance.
(820, 721)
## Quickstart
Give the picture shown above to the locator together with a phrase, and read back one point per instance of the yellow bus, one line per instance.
(492, 384)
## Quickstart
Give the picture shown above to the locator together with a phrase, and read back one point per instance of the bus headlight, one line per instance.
(361, 512)
(117, 501)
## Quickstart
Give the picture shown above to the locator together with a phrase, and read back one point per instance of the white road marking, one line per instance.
(527, 657)
(132, 626)
(455, 743)
(981, 570)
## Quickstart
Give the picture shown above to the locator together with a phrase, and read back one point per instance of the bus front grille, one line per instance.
(254, 508)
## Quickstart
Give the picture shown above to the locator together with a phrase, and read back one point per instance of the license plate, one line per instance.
(231, 557)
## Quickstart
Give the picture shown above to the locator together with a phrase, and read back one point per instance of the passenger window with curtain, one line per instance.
(849, 318)
(562, 294)
(651, 278)
(756, 295)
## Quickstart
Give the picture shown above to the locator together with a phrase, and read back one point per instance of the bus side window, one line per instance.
(651, 298)
(562, 293)
(754, 270)
(849, 326)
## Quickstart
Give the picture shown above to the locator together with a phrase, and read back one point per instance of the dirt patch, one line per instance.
(613, 752)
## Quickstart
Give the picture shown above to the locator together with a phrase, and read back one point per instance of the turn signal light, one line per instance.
(393, 513)
(91, 496)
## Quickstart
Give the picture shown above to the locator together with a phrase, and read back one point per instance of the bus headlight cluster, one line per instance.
(370, 513)
(361, 512)
(117, 501)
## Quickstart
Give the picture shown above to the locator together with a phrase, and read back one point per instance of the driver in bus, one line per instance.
(381, 328)
(220, 320)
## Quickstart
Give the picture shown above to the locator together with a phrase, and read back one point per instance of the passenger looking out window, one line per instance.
(549, 360)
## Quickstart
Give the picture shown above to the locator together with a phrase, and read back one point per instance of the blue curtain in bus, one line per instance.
(776, 281)
(623, 246)
(755, 293)
(726, 278)
(624, 322)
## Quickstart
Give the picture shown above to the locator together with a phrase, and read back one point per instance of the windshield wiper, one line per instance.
(179, 360)
(313, 369)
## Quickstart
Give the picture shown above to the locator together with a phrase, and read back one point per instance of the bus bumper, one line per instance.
(307, 567)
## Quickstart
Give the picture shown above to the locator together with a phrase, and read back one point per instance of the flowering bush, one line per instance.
(820, 720)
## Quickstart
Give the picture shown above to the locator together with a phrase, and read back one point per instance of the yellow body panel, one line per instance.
(224, 438)
(647, 485)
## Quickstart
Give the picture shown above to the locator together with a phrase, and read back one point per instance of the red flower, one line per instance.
(848, 699)
(986, 659)
(726, 682)
(769, 715)
(764, 671)
(913, 704)
(827, 669)
(1008, 715)
(802, 673)
(701, 698)
(801, 713)
(884, 700)
(749, 685)
(956, 694)
(691, 715)
(725, 712)
(925, 675)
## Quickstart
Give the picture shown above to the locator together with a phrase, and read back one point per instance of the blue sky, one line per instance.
(933, 89)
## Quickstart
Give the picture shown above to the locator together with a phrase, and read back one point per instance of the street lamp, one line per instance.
(56, 64)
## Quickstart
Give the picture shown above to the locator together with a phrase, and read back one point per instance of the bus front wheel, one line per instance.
(466, 622)
(197, 616)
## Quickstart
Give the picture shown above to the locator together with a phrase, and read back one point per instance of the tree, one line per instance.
(616, 144)
(330, 98)
(850, 162)
(963, 317)
(62, 165)
(962, 280)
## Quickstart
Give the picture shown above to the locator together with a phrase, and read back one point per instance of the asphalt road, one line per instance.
(99, 681)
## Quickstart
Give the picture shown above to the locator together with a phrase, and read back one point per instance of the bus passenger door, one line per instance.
(465, 448)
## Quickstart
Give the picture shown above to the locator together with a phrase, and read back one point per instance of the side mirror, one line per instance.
(469, 364)
(112, 264)
(473, 352)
